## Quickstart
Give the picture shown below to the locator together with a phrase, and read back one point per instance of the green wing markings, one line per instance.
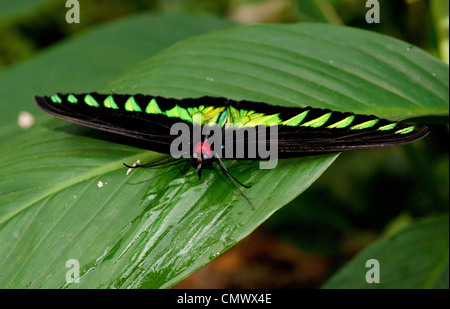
(229, 116)
(318, 122)
(233, 117)
(260, 119)
(184, 114)
(132, 106)
(55, 98)
(179, 112)
(342, 123)
(89, 100)
(405, 130)
(173, 113)
(212, 114)
(223, 117)
(202, 115)
(196, 114)
(72, 99)
(387, 127)
(296, 120)
(153, 107)
(365, 125)
(110, 103)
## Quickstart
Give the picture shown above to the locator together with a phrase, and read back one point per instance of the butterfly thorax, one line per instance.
(202, 151)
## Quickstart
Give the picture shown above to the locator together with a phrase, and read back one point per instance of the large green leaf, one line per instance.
(300, 65)
(151, 228)
(65, 196)
(416, 257)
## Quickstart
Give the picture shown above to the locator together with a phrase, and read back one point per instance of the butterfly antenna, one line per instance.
(224, 169)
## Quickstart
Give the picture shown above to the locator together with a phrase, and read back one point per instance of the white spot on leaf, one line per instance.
(25, 120)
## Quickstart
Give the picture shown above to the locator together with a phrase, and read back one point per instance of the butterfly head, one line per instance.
(202, 151)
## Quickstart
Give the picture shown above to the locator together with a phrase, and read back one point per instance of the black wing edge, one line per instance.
(44, 103)
(316, 142)
(60, 111)
(41, 102)
(141, 136)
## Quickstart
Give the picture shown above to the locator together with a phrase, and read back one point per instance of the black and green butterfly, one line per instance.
(301, 131)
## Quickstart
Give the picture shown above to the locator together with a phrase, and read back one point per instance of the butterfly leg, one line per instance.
(233, 180)
(186, 167)
(199, 169)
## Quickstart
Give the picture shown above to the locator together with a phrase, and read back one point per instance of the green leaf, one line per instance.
(12, 9)
(66, 196)
(415, 257)
(73, 200)
(317, 65)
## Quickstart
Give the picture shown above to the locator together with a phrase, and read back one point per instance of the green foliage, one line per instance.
(65, 194)
(424, 243)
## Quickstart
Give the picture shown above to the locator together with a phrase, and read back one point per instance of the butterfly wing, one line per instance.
(119, 114)
(306, 131)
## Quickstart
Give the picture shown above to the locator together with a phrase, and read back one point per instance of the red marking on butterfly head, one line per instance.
(202, 150)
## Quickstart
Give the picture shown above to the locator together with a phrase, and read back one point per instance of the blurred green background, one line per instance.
(28, 26)
(362, 196)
